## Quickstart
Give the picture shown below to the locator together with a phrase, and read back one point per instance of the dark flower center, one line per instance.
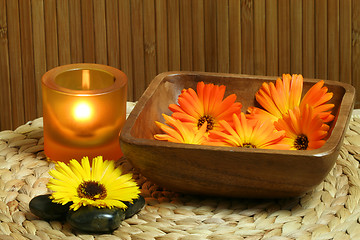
(91, 190)
(248, 145)
(301, 142)
(210, 122)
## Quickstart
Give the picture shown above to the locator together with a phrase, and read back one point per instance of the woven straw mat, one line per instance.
(331, 211)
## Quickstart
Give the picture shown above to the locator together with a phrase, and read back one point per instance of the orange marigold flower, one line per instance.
(249, 134)
(205, 105)
(304, 129)
(181, 132)
(278, 99)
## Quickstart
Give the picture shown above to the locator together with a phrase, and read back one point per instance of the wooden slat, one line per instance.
(308, 38)
(15, 63)
(52, 52)
(173, 20)
(27, 57)
(272, 53)
(100, 32)
(247, 43)
(235, 36)
(112, 33)
(88, 36)
(38, 26)
(321, 39)
(296, 36)
(223, 36)
(198, 35)
(333, 40)
(137, 27)
(186, 35)
(345, 41)
(76, 47)
(161, 36)
(5, 94)
(210, 36)
(126, 45)
(356, 47)
(284, 36)
(63, 31)
(149, 40)
(260, 36)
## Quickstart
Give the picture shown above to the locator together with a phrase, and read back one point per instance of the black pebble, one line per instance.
(134, 207)
(96, 220)
(43, 207)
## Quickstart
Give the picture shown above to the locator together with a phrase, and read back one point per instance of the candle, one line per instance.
(84, 109)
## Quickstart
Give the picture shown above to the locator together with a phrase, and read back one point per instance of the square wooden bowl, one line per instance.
(227, 171)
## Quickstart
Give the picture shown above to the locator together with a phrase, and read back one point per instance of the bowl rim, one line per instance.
(332, 144)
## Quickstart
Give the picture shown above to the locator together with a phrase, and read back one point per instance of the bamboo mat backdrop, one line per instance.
(319, 39)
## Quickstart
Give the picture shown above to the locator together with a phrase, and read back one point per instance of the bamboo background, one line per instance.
(317, 38)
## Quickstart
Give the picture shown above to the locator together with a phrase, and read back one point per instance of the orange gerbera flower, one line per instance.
(286, 94)
(180, 132)
(304, 129)
(205, 105)
(249, 134)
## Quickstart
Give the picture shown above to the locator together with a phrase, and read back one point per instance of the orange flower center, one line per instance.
(91, 190)
(248, 145)
(301, 142)
(210, 122)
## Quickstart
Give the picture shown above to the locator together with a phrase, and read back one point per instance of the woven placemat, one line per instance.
(331, 211)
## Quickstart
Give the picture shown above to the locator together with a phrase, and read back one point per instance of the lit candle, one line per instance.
(84, 109)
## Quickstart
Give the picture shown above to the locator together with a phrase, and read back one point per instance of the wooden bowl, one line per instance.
(227, 171)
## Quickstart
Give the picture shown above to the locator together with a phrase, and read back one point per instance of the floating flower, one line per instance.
(249, 134)
(205, 105)
(100, 185)
(285, 95)
(180, 132)
(303, 128)
(317, 97)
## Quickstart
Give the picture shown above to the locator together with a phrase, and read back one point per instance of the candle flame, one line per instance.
(86, 79)
(82, 111)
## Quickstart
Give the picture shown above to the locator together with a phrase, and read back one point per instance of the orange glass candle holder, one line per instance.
(84, 110)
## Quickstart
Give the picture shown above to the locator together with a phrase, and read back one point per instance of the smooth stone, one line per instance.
(134, 207)
(43, 207)
(96, 220)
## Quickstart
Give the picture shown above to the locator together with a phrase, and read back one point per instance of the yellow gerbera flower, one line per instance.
(205, 105)
(180, 132)
(304, 129)
(101, 185)
(249, 134)
(286, 94)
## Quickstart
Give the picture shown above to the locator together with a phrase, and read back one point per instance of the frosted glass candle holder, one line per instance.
(84, 110)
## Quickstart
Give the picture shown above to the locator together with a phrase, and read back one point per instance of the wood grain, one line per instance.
(345, 41)
(296, 36)
(112, 33)
(308, 38)
(333, 40)
(5, 94)
(198, 32)
(272, 52)
(143, 38)
(235, 36)
(149, 41)
(27, 61)
(284, 36)
(247, 37)
(321, 39)
(15, 64)
(186, 53)
(173, 20)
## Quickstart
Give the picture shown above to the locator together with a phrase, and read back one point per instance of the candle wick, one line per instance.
(86, 79)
